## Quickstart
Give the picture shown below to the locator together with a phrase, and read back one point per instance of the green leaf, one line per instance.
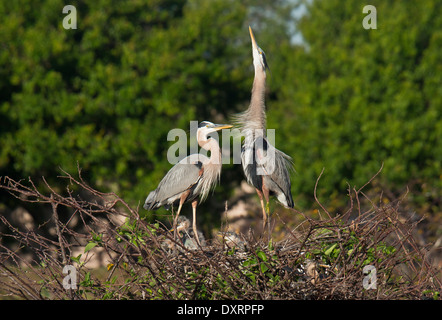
(44, 292)
(89, 246)
(271, 247)
(251, 276)
(97, 237)
(261, 255)
(76, 259)
(249, 262)
(87, 282)
(330, 248)
(263, 267)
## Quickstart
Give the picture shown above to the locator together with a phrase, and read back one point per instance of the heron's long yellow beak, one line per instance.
(254, 44)
(222, 126)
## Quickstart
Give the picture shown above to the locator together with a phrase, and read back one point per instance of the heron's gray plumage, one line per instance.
(272, 165)
(278, 181)
(254, 118)
(192, 177)
(265, 167)
(169, 191)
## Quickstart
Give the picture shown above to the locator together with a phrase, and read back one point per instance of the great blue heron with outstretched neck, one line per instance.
(265, 167)
(193, 176)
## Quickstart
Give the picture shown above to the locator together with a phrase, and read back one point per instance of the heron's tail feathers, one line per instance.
(286, 199)
(287, 160)
(150, 202)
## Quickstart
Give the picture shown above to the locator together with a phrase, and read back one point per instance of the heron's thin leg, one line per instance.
(264, 213)
(195, 232)
(266, 194)
(175, 220)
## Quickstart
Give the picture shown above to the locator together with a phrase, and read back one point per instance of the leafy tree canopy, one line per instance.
(106, 94)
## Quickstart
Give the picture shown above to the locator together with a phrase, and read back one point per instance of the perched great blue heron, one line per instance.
(265, 167)
(191, 177)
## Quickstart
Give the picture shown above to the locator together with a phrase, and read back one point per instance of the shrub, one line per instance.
(319, 259)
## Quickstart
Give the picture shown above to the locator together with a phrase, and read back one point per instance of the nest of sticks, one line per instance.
(368, 252)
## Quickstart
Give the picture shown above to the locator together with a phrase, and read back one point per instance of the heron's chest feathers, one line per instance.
(209, 177)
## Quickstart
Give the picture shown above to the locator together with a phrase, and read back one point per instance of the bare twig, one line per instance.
(316, 260)
(316, 198)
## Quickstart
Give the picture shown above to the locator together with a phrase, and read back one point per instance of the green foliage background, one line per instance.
(106, 94)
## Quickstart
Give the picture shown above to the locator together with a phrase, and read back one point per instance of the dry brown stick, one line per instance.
(57, 228)
(316, 198)
(372, 178)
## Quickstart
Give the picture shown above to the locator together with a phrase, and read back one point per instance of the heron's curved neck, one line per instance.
(259, 87)
(212, 146)
(257, 107)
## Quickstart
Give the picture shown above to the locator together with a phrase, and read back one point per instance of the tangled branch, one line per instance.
(319, 259)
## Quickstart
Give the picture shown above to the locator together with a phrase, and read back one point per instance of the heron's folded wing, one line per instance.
(276, 165)
(180, 178)
(282, 179)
